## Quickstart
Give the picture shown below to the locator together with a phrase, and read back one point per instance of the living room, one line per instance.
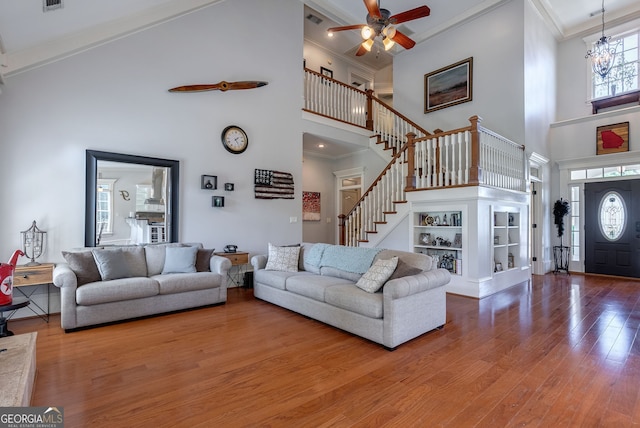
(112, 96)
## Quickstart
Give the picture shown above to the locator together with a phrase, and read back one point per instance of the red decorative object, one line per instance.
(6, 279)
(611, 140)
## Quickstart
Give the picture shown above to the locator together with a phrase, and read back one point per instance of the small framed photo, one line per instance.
(209, 182)
(217, 201)
(326, 72)
(228, 187)
(425, 239)
(612, 138)
(498, 267)
(457, 241)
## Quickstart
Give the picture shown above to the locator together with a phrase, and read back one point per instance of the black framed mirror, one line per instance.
(162, 221)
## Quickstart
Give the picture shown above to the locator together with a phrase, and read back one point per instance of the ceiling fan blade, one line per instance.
(373, 8)
(403, 40)
(222, 86)
(361, 51)
(346, 27)
(409, 15)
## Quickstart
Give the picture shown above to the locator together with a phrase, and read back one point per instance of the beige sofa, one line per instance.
(324, 288)
(102, 285)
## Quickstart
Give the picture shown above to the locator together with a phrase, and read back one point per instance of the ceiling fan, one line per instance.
(381, 22)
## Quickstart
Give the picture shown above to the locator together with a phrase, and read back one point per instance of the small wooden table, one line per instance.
(239, 262)
(37, 275)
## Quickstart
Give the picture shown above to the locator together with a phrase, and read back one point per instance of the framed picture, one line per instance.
(425, 239)
(209, 182)
(448, 86)
(326, 72)
(457, 241)
(217, 201)
(310, 206)
(612, 138)
(228, 187)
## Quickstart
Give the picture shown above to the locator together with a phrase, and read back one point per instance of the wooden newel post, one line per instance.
(341, 228)
(411, 178)
(475, 171)
(369, 123)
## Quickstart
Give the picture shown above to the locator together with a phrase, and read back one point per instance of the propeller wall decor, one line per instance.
(220, 86)
(381, 22)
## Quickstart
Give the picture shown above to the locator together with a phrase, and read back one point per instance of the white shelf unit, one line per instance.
(506, 241)
(439, 234)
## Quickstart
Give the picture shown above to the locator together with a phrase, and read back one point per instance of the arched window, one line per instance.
(613, 214)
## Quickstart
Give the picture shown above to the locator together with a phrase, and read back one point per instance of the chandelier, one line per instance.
(603, 54)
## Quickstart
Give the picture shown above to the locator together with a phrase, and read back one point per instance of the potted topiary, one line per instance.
(561, 209)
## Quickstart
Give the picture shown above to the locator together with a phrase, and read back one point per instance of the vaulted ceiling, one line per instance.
(29, 36)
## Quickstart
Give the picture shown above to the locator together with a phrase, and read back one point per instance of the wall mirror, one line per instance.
(130, 199)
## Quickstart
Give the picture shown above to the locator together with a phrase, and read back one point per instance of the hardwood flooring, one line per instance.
(561, 351)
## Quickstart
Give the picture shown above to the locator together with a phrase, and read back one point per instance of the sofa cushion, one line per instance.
(112, 264)
(155, 254)
(421, 261)
(274, 278)
(377, 275)
(116, 290)
(339, 273)
(83, 265)
(354, 299)
(181, 282)
(283, 258)
(203, 259)
(313, 286)
(180, 260)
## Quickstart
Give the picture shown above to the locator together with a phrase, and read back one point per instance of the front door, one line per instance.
(612, 228)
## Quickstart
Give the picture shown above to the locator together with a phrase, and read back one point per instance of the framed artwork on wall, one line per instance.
(448, 86)
(326, 72)
(612, 138)
(310, 206)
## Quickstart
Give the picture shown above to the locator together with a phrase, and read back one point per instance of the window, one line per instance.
(623, 76)
(575, 223)
(612, 216)
(104, 206)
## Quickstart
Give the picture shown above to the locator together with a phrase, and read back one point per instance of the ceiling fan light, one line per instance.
(389, 31)
(388, 43)
(329, 33)
(366, 32)
(368, 44)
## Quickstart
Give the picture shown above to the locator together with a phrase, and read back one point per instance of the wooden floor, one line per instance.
(562, 351)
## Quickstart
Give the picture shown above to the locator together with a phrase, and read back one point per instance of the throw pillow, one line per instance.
(403, 269)
(377, 275)
(284, 259)
(180, 260)
(112, 264)
(203, 259)
(83, 265)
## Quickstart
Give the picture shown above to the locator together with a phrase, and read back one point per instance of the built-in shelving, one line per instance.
(439, 234)
(506, 241)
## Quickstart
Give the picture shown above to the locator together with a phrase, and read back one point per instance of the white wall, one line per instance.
(114, 98)
(495, 41)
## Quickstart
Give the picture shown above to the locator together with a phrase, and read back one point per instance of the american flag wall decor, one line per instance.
(273, 184)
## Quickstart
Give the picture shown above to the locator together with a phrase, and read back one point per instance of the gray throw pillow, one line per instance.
(83, 265)
(112, 264)
(403, 269)
(180, 260)
(203, 259)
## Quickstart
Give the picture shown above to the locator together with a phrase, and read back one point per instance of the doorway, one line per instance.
(348, 191)
(612, 232)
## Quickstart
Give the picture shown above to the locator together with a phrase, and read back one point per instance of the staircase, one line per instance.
(419, 160)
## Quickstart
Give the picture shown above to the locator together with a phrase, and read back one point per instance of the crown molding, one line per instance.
(63, 47)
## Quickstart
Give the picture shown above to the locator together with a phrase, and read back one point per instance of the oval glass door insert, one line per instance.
(613, 215)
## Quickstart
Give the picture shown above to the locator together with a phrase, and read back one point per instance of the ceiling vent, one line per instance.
(316, 20)
(49, 5)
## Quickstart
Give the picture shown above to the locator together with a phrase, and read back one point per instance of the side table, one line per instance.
(34, 276)
(239, 262)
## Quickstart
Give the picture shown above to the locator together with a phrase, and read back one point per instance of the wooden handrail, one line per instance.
(400, 115)
(330, 79)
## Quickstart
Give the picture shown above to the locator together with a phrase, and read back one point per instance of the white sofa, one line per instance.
(89, 296)
(324, 289)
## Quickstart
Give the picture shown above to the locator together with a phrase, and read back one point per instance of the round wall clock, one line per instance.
(234, 139)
